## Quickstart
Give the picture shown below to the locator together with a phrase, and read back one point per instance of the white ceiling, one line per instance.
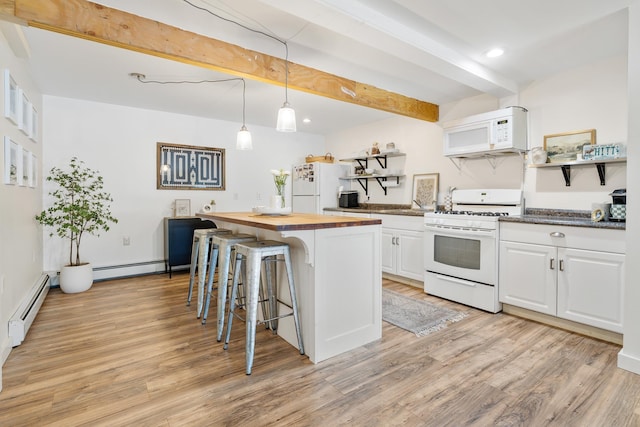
(432, 50)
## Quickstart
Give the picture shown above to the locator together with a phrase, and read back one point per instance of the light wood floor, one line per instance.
(130, 353)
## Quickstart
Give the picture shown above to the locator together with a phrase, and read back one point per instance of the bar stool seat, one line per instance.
(200, 249)
(253, 254)
(222, 246)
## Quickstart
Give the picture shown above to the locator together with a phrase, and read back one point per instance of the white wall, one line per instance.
(593, 96)
(20, 239)
(120, 142)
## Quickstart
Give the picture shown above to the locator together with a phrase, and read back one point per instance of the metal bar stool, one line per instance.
(222, 246)
(253, 253)
(200, 249)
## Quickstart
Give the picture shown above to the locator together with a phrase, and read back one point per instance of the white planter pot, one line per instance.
(76, 278)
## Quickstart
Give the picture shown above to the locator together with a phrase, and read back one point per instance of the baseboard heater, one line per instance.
(21, 321)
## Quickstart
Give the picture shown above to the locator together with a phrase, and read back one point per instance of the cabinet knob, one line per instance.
(556, 234)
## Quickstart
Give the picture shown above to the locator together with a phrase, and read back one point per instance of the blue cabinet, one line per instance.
(178, 239)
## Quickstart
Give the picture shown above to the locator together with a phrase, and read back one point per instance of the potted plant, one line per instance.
(80, 206)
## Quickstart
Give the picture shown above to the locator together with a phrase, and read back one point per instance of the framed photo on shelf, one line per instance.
(182, 207)
(12, 162)
(425, 191)
(565, 147)
(11, 98)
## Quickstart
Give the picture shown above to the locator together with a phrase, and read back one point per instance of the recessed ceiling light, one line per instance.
(306, 120)
(495, 52)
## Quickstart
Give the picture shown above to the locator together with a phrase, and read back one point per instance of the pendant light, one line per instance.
(286, 114)
(243, 140)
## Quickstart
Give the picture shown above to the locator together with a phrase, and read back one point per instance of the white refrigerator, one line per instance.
(315, 186)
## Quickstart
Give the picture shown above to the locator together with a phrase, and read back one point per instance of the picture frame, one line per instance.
(182, 207)
(11, 98)
(565, 147)
(33, 131)
(26, 168)
(188, 167)
(24, 115)
(12, 162)
(425, 191)
(33, 180)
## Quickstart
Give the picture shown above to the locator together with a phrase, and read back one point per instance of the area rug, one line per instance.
(419, 317)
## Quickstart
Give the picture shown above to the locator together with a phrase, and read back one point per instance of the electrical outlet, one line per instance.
(235, 196)
(2, 285)
(126, 241)
(258, 196)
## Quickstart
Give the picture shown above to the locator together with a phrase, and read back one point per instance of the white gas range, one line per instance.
(461, 246)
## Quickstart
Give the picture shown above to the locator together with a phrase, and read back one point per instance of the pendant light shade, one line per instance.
(243, 141)
(286, 119)
(286, 115)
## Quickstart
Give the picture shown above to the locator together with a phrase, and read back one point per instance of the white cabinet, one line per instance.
(403, 245)
(575, 273)
(525, 278)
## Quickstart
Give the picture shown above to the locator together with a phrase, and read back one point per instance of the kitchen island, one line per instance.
(336, 263)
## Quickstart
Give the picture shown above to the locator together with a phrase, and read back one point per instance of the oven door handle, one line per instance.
(458, 281)
(468, 231)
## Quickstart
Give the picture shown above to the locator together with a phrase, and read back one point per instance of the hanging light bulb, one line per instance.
(286, 114)
(243, 140)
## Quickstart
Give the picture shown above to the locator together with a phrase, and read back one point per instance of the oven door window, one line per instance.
(457, 252)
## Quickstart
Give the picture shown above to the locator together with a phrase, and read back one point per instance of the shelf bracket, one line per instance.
(601, 172)
(493, 161)
(363, 166)
(380, 179)
(566, 172)
(379, 159)
(364, 184)
(457, 165)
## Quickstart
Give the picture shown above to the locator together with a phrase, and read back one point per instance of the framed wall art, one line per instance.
(24, 118)
(12, 162)
(565, 147)
(33, 131)
(33, 180)
(425, 191)
(26, 168)
(187, 167)
(11, 98)
(182, 207)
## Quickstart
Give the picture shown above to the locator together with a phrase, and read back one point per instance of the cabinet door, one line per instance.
(590, 288)
(527, 276)
(387, 240)
(410, 254)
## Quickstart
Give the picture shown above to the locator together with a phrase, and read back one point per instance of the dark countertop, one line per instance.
(569, 218)
(572, 218)
(385, 209)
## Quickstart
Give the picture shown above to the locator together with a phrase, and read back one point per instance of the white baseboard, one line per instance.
(628, 362)
(125, 270)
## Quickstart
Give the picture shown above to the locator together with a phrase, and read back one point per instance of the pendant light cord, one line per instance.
(286, 47)
(142, 79)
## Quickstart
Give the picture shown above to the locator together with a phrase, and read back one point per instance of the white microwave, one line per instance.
(494, 132)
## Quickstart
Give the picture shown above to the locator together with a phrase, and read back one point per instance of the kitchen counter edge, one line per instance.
(564, 220)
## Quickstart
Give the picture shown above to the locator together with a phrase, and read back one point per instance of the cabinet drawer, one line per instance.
(595, 239)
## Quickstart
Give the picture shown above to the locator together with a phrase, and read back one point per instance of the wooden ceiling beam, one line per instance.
(91, 21)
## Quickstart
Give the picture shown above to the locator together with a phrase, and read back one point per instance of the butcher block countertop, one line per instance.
(295, 221)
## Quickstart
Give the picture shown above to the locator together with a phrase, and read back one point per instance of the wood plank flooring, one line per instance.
(129, 352)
